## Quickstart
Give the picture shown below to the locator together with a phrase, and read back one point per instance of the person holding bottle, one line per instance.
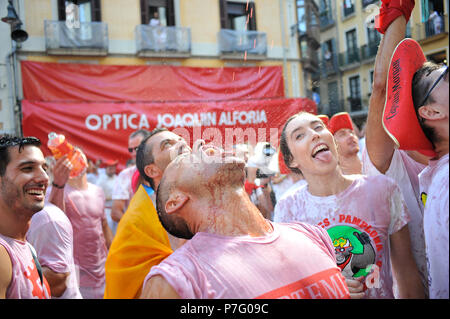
(83, 204)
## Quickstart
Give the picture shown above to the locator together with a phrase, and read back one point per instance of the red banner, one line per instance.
(70, 82)
(102, 129)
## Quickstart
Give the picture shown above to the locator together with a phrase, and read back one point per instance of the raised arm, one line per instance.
(380, 146)
(61, 172)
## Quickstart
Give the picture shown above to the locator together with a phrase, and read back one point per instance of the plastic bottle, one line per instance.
(59, 146)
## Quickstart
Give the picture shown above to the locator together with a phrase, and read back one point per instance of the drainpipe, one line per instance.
(283, 43)
(11, 65)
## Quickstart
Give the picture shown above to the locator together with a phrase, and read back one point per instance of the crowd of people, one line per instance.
(327, 214)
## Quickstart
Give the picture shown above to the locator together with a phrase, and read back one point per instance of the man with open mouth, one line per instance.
(23, 183)
(233, 251)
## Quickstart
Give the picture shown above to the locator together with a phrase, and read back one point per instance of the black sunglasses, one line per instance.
(133, 149)
(434, 84)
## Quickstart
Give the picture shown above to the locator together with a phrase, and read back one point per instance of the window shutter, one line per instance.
(170, 13)
(145, 19)
(252, 20)
(223, 14)
(96, 10)
(61, 10)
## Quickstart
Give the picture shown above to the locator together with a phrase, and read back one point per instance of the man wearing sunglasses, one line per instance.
(432, 113)
(123, 191)
(408, 166)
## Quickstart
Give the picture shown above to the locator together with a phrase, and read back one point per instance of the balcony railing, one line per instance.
(365, 3)
(431, 28)
(162, 41)
(311, 64)
(349, 57)
(91, 38)
(330, 66)
(355, 103)
(326, 19)
(252, 44)
(369, 51)
(311, 36)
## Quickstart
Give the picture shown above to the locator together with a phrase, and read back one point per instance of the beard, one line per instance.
(175, 225)
(16, 198)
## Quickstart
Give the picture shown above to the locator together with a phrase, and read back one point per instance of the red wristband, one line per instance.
(391, 10)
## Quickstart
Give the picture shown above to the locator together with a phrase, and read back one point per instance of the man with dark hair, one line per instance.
(123, 190)
(141, 242)
(233, 251)
(145, 156)
(430, 97)
(405, 159)
(23, 182)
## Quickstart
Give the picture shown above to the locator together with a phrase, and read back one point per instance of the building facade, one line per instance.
(196, 33)
(349, 45)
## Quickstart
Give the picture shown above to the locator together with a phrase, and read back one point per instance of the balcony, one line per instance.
(310, 64)
(161, 41)
(330, 66)
(369, 51)
(326, 20)
(365, 3)
(251, 45)
(349, 59)
(311, 36)
(91, 38)
(429, 31)
(355, 103)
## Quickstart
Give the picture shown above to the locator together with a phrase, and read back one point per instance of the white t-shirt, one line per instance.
(122, 188)
(51, 235)
(107, 183)
(282, 187)
(359, 221)
(295, 261)
(434, 192)
(404, 171)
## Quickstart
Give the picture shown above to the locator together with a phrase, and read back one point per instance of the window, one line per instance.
(373, 36)
(370, 82)
(237, 15)
(89, 10)
(433, 16)
(349, 7)
(329, 55)
(162, 11)
(373, 41)
(355, 93)
(86, 34)
(428, 6)
(301, 25)
(352, 46)
(326, 13)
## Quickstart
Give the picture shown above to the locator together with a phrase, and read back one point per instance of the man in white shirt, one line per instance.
(123, 191)
(107, 183)
(430, 99)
